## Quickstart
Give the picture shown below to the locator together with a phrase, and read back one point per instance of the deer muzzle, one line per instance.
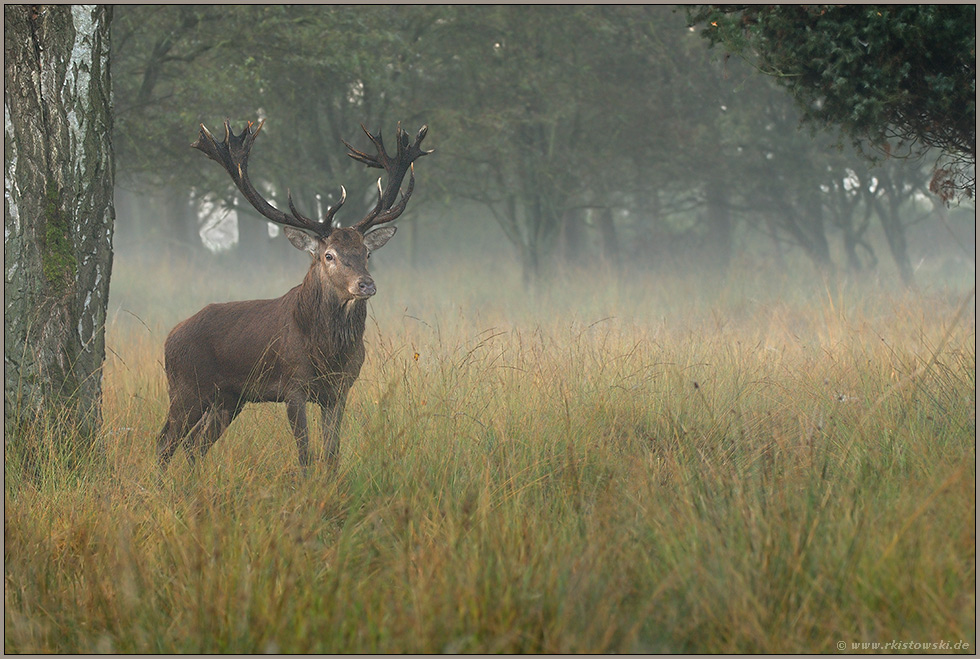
(363, 287)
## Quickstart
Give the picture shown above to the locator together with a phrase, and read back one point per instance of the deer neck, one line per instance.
(330, 323)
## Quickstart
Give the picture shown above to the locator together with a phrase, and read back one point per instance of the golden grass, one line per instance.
(639, 468)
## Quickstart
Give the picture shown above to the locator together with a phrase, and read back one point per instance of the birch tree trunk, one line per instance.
(58, 212)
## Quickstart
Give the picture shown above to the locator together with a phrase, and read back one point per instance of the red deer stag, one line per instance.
(307, 345)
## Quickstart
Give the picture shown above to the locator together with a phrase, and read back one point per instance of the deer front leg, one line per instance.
(333, 416)
(296, 411)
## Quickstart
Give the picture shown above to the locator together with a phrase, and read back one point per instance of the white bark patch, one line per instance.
(11, 196)
(78, 78)
(11, 224)
(80, 63)
(81, 319)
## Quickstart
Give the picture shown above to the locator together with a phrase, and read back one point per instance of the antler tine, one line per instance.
(378, 142)
(423, 131)
(369, 219)
(401, 137)
(395, 167)
(232, 154)
(381, 160)
(331, 211)
(399, 208)
(415, 148)
(296, 213)
(392, 213)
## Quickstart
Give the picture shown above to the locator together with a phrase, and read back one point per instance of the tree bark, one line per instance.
(58, 212)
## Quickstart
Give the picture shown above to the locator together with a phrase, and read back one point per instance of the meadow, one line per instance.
(611, 462)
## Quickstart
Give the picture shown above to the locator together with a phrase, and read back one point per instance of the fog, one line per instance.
(561, 176)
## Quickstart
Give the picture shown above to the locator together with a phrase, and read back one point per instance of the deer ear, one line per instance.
(301, 239)
(377, 238)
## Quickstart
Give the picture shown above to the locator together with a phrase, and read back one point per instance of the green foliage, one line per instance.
(179, 66)
(880, 73)
(636, 132)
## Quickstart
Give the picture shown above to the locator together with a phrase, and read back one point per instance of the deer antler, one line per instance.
(396, 168)
(232, 154)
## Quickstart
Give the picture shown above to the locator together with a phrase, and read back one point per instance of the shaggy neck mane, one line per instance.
(331, 325)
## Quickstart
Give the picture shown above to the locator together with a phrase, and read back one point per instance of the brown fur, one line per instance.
(306, 346)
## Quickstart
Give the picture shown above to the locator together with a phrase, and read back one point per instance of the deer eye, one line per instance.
(327, 256)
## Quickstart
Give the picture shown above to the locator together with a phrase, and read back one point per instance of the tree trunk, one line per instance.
(718, 218)
(607, 233)
(891, 222)
(169, 215)
(253, 233)
(58, 212)
(804, 223)
(571, 239)
(530, 266)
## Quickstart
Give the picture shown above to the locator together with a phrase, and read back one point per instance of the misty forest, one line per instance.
(674, 349)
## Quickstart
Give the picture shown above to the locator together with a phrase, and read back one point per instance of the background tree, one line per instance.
(317, 72)
(58, 212)
(891, 77)
(164, 59)
(637, 145)
(546, 130)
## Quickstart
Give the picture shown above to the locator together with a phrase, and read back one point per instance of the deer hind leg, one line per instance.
(190, 441)
(179, 421)
(208, 429)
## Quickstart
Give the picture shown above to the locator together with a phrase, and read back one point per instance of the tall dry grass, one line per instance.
(601, 464)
